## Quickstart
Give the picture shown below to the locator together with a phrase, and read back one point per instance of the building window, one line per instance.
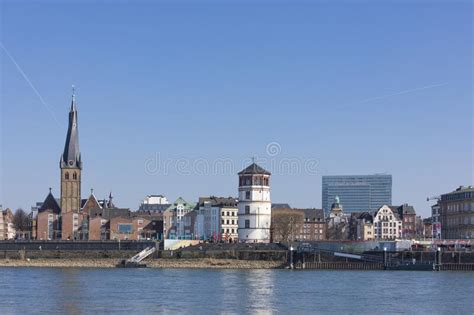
(247, 209)
(247, 224)
(125, 228)
(74, 176)
(247, 195)
(66, 176)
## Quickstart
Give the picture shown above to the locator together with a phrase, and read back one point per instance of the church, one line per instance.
(72, 218)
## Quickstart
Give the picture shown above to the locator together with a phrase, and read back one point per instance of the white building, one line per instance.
(154, 204)
(219, 218)
(229, 223)
(210, 212)
(254, 207)
(387, 224)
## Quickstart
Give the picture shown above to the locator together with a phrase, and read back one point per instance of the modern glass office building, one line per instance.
(357, 192)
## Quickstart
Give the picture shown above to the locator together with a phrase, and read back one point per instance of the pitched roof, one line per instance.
(280, 205)
(218, 201)
(109, 213)
(406, 209)
(394, 211)
(313, 215)
(91, 202)
(153, 207)
(50, 203)
(367, 216)
(180, 200)
(402, 210)
(254, 169)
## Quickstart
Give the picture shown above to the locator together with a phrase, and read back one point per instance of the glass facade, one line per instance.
(357, 192)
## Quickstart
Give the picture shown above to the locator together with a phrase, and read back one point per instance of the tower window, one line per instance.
(247, 195)
(74, 176)
(247, 209)
(247, 224)
(66, 176)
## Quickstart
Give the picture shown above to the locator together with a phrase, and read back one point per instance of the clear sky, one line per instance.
(353, 87)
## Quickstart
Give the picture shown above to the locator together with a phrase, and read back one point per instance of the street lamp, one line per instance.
(385, 256)
(439, 256)
(291, 257)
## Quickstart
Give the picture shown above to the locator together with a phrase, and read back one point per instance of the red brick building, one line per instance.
(48, 219)
(72, 226)
(408, 216)
(127, 228)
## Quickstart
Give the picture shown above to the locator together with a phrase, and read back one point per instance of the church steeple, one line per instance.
(71, 169)
(71, 157)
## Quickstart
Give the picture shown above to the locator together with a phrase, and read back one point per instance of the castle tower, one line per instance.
(254, 207)
(71, 166)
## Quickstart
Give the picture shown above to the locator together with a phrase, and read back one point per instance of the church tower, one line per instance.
(71, 165)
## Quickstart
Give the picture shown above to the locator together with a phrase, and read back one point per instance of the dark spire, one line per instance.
(111, 204)
(50, 203)
(72, 156)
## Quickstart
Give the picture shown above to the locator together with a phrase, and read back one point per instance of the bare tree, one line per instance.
(338, 231)
(286, 224)
(21, 220)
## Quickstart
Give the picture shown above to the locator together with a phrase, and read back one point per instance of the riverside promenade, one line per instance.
(84, 254)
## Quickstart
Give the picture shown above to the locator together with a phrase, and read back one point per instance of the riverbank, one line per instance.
(204, 263)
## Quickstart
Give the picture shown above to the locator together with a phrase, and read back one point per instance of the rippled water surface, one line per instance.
(86, 291)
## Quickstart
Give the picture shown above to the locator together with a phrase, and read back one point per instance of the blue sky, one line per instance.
(360, 87)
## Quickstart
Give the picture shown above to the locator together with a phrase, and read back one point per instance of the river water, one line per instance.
(171, 291)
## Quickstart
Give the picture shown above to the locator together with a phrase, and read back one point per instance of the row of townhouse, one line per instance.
(97, 220)
(386, 223)
(211, 218)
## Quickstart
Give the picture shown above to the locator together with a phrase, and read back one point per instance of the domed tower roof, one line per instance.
(254, 169)
(336, 206)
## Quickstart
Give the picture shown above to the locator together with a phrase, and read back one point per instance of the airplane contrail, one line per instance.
(398, 93)
(29, 83)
